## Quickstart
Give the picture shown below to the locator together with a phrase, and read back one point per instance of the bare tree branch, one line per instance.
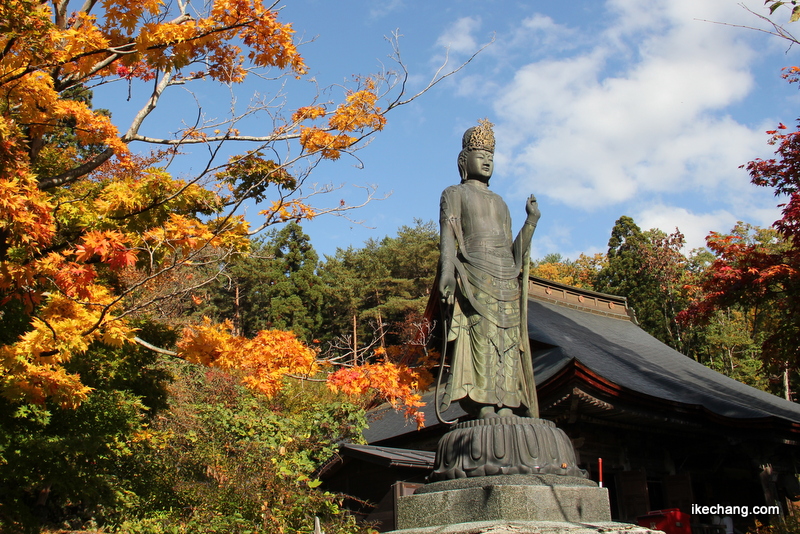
(777, 29)
(76, 172)
(87, 167)
(159, 350)
(437, 77)
(215, 139)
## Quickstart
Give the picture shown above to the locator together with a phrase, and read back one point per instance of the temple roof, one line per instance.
(621, 354)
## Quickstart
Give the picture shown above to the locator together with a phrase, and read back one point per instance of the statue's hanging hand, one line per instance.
(447, 286)
(532, 209)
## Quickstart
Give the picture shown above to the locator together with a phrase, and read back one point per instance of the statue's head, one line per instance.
(476, 159)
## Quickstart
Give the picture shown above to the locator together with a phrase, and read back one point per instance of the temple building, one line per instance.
(668, 431)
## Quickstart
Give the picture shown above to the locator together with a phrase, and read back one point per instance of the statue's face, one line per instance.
(480, 165)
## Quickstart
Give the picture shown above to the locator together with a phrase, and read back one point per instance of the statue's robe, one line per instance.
(487, 352)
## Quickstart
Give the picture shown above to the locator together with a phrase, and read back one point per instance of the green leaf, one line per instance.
(795, 14)
(774, 6)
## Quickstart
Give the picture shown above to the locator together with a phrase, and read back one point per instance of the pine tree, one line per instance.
(275, 287)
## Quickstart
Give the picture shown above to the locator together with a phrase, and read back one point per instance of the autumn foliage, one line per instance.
(265, 360)
(398, 383)
(94, 234)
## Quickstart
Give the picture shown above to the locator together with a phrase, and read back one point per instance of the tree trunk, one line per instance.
(380, 319)
(380, 330)
(237, 317)
(787, 391)
(355, 340)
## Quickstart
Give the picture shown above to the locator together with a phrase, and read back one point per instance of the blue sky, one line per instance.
(601, 109)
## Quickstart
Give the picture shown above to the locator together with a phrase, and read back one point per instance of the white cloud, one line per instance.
(382, 9)
(640, 109)
(458, 38)
(638, 113)
(539, 33)
(695, 227)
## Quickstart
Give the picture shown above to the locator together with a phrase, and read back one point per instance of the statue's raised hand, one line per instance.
(532, 208)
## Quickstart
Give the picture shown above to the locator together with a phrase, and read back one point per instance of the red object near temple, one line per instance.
(600, 471)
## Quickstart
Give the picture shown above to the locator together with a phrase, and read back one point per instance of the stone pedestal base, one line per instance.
(510, 504)
(504, 498)
(531, 527)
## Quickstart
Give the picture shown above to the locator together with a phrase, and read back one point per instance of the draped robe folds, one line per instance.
(488, 354)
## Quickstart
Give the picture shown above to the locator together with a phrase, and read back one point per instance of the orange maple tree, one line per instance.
(578, 273)
(89, 229)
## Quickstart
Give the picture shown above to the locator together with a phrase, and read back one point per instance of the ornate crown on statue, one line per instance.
(479, 137)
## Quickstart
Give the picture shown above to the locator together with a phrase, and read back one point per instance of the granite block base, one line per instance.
(548, 498)
(531, 527)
